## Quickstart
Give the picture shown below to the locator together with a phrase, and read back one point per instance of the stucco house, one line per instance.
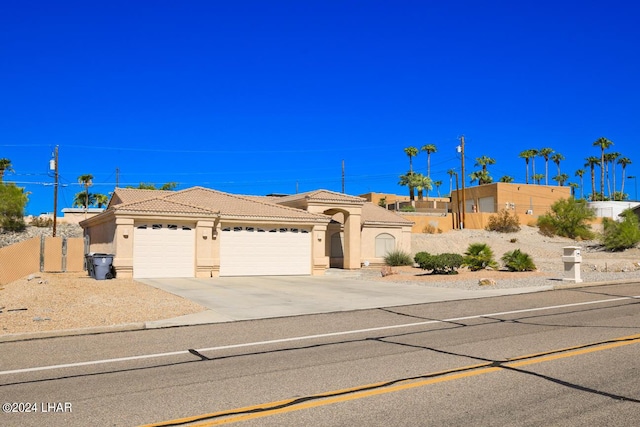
(199, 232)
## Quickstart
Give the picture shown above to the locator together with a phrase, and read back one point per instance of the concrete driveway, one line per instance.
(243, 298)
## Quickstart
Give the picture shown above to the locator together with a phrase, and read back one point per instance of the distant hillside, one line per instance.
(62, 230)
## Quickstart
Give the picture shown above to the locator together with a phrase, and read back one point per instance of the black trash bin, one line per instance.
(88, 263)
(102, 264)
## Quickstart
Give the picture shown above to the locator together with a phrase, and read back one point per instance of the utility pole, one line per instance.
(461, 147)
(55, 189)
(456, 219)
(117, 176)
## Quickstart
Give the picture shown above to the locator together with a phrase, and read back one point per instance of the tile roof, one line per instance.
(206, 202)
(161, 205)
(128, 195)
(199, 200)
(374, 214)
(322, 196)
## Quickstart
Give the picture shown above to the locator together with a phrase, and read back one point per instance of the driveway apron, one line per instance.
(244, 298)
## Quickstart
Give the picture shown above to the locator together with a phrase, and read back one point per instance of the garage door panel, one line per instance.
(163, 251)
(247, 252)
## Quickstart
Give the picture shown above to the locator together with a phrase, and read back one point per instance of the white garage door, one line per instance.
(163, 250)
(256, 251)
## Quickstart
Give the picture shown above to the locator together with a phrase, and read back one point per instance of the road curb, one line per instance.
(571, 285)
(127, 327)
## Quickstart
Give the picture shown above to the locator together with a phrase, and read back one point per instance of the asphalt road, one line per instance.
(566, 358)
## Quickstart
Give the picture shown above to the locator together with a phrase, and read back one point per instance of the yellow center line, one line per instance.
(360, 392)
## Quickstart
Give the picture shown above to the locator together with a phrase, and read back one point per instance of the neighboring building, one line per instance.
(611, 209)
(75, 215)
(528, 201)
(200, 232)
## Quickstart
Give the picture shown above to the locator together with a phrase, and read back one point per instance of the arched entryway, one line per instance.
(343, 237)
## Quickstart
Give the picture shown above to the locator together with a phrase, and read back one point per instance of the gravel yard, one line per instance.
(56, 301)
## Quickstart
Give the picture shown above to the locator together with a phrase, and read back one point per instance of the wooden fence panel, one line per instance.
(52, 254)
(24, 258)
(19, 260)
(75, 254)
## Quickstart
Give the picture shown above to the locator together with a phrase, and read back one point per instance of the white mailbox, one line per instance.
(572, 259)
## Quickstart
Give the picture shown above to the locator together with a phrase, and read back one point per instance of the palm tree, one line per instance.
(437, 184)
(5, 165)
(84, 199)
(534, 153)
(451, 172)
(422, 183)
(580, 173)
(429, 148)
(507, 179)
(603, 143)
(482, 176)
(537, 177)
(100, 199)
(411, 152)
(545, 153)
(573, 186)
(561, 178)
(484, 161)
(526, 155)
(87, 181)
(591, 163)
(557, 158)
(623, 161)
(408, 180)
(610, 159)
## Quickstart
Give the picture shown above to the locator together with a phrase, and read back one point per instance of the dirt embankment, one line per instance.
(545, 251)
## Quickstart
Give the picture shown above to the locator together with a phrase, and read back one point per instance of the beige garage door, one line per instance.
(264, 251)
(163, 250)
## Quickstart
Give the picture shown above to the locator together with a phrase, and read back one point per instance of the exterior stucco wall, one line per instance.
(423, 221)
(206, 244)
(519, 198)
(402, 236)
(75, 215)
(101, 237)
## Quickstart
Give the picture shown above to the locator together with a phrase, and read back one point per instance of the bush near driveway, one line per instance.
(439, 264)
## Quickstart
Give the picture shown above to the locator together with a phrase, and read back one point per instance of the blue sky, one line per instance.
(258, 97)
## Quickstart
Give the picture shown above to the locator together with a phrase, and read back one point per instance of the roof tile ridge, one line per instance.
(339, 194)
(263, 200)
(137, 202)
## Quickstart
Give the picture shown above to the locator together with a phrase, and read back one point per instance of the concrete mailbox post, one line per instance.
(572, 260)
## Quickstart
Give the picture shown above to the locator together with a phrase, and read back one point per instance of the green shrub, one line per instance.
(618, 236)
(568, 219)
(407, 208)
(13, 199)
(41, 222)
(479, 256)
(518, 261)
(504, 222)
(439, 264)
(398, 258)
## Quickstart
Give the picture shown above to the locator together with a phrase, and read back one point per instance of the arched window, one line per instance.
(385, 243)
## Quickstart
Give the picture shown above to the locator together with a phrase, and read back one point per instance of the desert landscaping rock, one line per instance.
(62, 230)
